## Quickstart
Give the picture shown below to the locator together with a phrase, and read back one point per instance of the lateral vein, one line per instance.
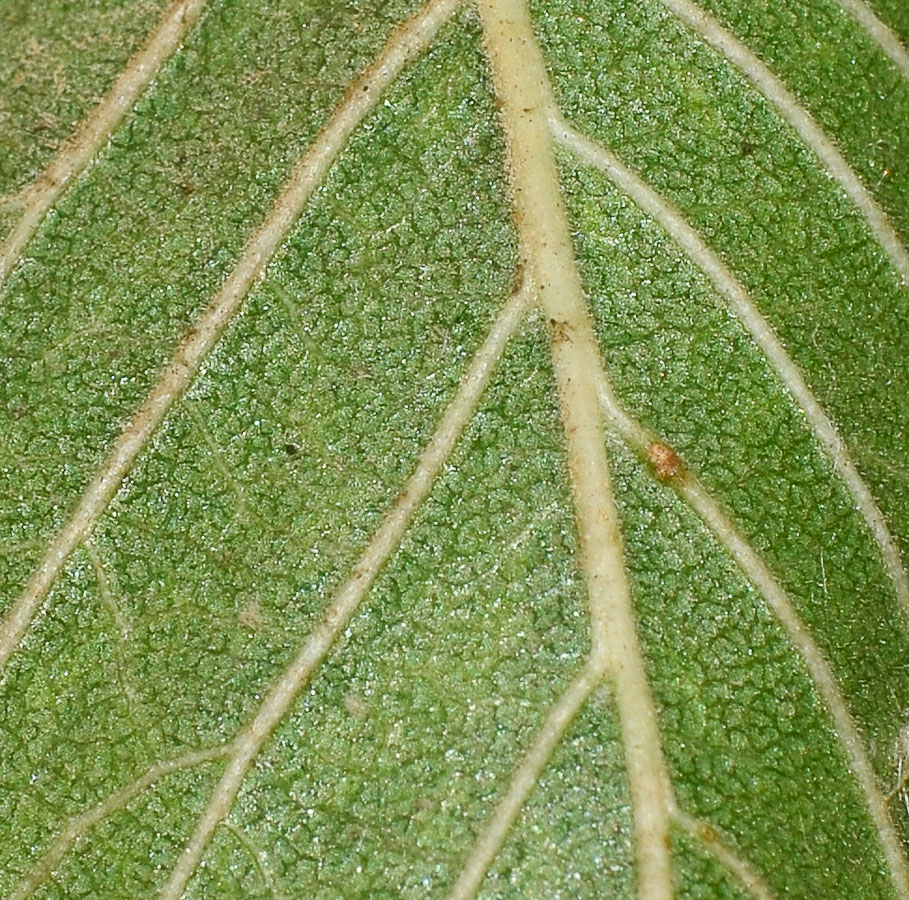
(83, 145)
(745, 309)
(282, 694)
(773, 89)
(523, 781)
(706, 835)
(406, 42)
(879, 32)
(689, 488)
(80, 824)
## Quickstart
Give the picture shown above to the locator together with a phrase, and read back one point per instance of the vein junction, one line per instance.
(520, 81)
(747, 312)
(689, 488)
(522, 87)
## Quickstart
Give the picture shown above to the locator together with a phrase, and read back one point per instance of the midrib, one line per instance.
(520, 80)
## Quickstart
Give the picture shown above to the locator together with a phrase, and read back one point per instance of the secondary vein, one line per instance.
(789, 108)
(284, 691)
(408, 41)
(83, 145)
(747, 312)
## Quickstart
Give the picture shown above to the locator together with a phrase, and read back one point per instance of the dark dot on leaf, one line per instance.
(291, 449)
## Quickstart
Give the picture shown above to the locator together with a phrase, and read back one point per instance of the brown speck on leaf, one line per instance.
(665, 461)
(517, 280)
(560, 331)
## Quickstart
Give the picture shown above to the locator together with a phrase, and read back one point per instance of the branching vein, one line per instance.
(523, 781)
(706, 835)
(81, 148)
(801, 120)
(80, 825)
(521, 85)
(408, 41)
(284, 691)
(689, 488)
(587, 405)
(757, 326)
(260, 860)
(121, 623)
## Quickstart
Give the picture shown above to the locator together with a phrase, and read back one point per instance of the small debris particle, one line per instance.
(356, 706)
(560, 331)
(251, 616)
(517, 279)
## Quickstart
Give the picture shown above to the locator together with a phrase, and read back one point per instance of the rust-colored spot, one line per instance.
(665, 461)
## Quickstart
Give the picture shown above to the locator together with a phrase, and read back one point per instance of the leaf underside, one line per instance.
(247, 510)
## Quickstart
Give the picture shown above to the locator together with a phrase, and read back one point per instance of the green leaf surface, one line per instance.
(331, 629)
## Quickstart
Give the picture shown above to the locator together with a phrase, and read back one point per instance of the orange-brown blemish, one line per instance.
(665, 461)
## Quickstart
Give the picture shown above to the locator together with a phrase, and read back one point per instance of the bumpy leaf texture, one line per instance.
(454, 450)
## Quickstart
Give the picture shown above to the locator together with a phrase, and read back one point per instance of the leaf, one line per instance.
(454, 451)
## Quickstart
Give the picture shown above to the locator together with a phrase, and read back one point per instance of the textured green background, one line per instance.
(257, 493)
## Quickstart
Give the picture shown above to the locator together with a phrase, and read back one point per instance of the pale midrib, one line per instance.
(248, 743)
(80, 825)
(880, 33)
(521, 85)
(741, 303)
(689, 488)
(82, 147)
(527, 776)
(773, 89)
(408, 41)
(283, 693)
